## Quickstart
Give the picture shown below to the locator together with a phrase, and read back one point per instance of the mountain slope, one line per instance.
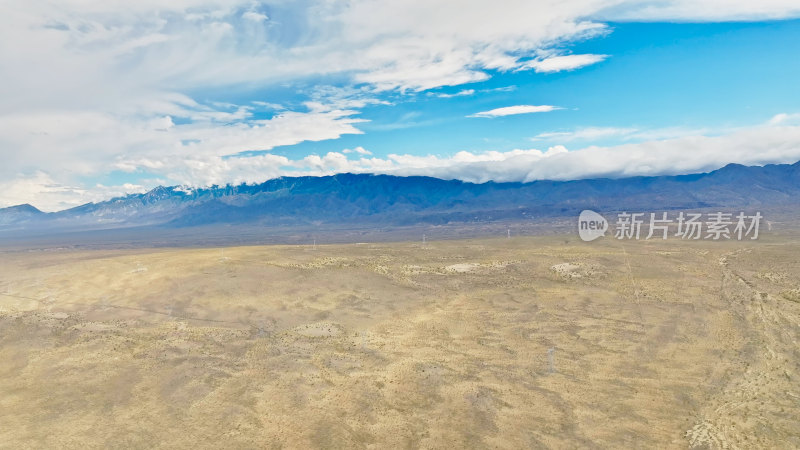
(385, 199)
(19, 214)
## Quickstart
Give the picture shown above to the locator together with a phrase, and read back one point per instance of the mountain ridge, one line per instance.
(389, 199)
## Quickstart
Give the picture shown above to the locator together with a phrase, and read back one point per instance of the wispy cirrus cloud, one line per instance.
(625, 134)
(563, 62)
(461, 93)
(584, 134)
(513, 110)
(358, 150)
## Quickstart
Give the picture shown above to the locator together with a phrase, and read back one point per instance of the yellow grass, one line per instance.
(660, 344)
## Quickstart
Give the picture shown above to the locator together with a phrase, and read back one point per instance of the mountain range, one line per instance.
(366, 199)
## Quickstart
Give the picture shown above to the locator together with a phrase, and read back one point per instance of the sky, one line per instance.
(102, 98)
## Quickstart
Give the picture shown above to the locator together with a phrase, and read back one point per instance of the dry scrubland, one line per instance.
(657, 345)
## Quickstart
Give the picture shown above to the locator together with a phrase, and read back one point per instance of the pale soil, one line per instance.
(656, 345)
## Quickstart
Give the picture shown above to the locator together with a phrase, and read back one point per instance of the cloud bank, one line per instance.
(758, 145)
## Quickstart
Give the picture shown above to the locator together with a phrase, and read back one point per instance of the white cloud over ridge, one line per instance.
(757, 145)
(688, 154)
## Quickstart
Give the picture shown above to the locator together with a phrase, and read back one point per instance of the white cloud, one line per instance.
(512, 110)
(255, 16)
(663, 133)
(625, 134)
(42, 191)
(269, 105)
(584, 134)
(461, 93)
(785, 119)
(501, 89)
(418, 45)
(699, 11)
(108, 48)
(117, 51)
(359, 150)
(563, 62)
(689, 154)
(94, 139)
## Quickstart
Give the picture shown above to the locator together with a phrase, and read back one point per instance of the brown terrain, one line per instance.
(528, 342)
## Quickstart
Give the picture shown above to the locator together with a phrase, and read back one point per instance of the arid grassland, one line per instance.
(657, 344)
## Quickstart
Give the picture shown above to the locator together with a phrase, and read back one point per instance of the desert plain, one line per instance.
(527, 342)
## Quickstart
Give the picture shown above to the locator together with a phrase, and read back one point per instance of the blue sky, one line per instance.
(103, 99)
(657, 75)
